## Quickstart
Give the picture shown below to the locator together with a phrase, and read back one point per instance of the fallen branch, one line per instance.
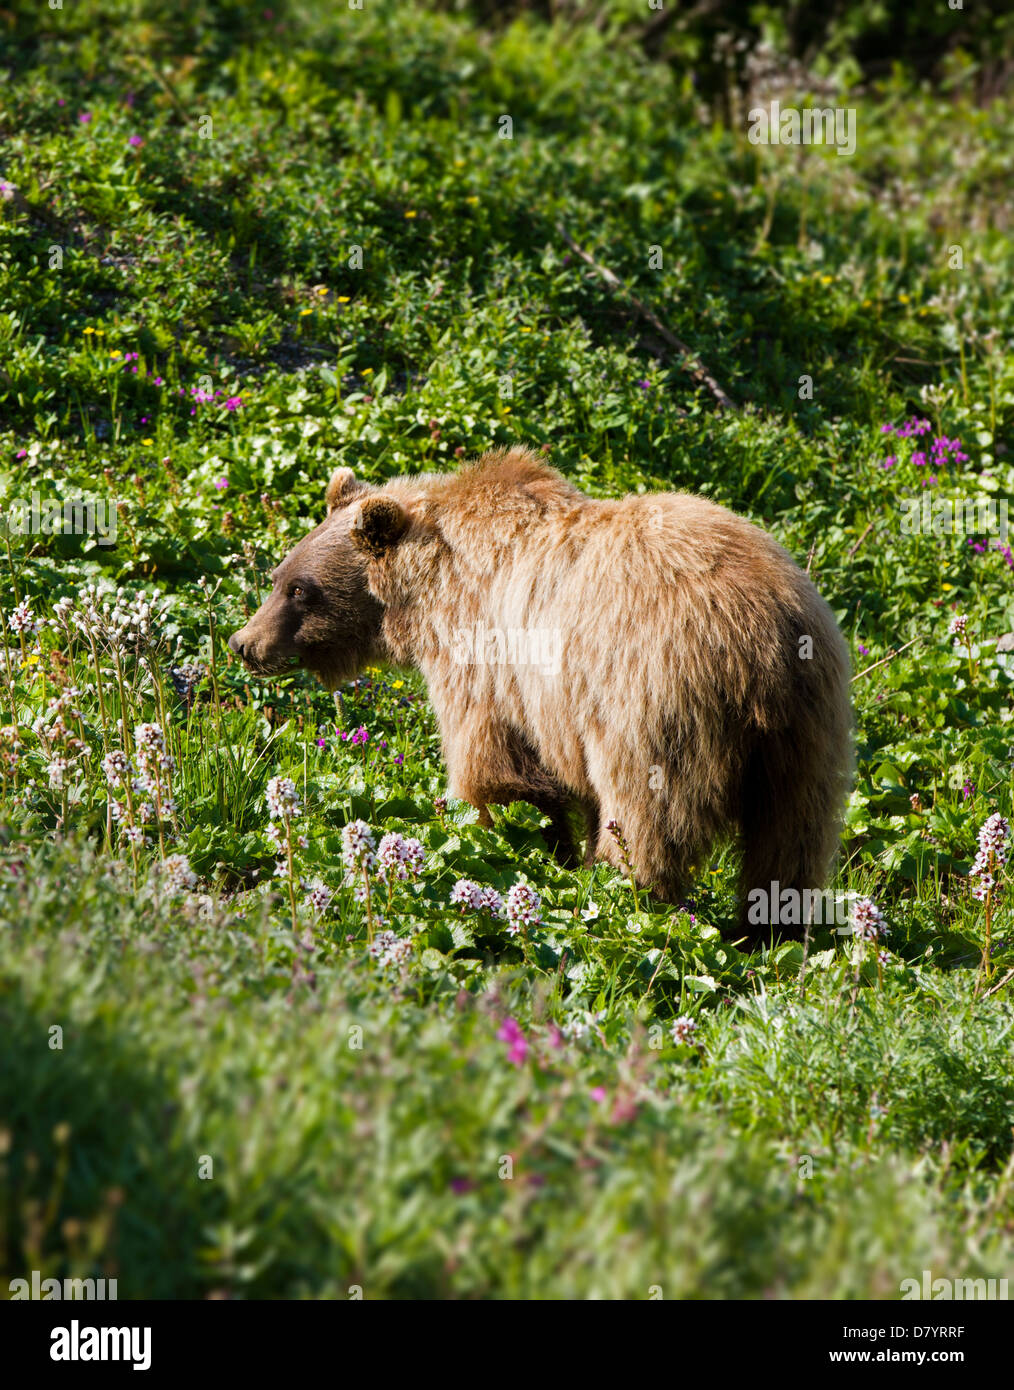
(889, 657)
(1000, 985)
(693, 364)
(861, 539)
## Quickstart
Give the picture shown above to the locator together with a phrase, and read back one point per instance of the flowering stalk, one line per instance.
(614, 829)
(153, 758)
(103, 717)
(120, 772)
(959, 630)
(14, 588)
(988, 864)
(283, 804)
(12, 699)
(209, 595)
(869, 926)
(122, 736)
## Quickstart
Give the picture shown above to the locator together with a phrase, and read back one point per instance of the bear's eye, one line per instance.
(297, 591)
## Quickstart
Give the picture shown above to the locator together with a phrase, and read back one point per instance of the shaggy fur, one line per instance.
(685, 706)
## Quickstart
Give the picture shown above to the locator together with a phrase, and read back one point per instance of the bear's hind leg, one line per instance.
(657, 864)
(791, 820)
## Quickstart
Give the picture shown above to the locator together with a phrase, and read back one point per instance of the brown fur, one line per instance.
(682, 708)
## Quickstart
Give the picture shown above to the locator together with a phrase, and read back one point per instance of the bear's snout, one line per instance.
(246, 649)
(261, 649)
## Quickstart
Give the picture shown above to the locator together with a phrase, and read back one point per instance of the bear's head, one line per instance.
(320, 613)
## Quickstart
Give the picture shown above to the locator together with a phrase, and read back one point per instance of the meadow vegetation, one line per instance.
(279, 1018)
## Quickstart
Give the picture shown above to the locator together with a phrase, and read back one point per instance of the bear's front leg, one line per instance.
(491, 764)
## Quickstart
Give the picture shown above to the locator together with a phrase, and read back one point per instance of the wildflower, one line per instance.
(958, 626)
(390, 857)
(993, 837)
(867, 920)
(58, 769)
(176, 873)
(318, 897)
(413, 855)
(135, 141)
(116, 765)
(390, 950)
(466, 894)
(358, 844)
(22, 621)
(490, 901)
(524, 908)
(282, 798)
(590, 911)
(684, 1029)
(185, 679)
(149, 739)
(221, 484)
(511, 1033)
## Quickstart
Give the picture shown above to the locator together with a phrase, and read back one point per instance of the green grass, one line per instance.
(242, 1099)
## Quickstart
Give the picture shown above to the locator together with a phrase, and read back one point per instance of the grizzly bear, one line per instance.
(654, 661)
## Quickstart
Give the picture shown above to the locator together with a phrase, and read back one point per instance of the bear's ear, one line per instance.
(342, 488)
(378, 524)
